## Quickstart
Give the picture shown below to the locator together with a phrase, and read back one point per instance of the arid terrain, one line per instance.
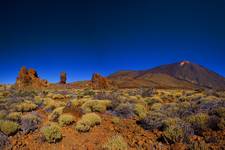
(178, 107)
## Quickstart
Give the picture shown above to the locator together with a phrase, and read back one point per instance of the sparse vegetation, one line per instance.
(87, 121)
(52, 133)
(29, 122)
(26, 106)
(115, 143)
(66, 119)
(8, 127)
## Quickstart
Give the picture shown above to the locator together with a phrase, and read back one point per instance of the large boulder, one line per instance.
(100, 82)
(29, 78)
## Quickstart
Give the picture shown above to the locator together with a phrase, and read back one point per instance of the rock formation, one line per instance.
(29, 78)
(100, 82)
(62, 78)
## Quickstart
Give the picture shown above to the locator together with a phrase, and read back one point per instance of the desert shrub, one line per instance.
(4, 141)
(219, 111)
(66, 119)
(88, 92)
(115, 120)
(38, 100)
(52, 133)
(173, 134)
(176, 130)
(152, 100)
(95, 106)
(8, 127)
(3, 114)
(57, 96)
(78, 102)
(125, 110)
(156, 107)
(51, 104)
(171, 109)
(153, 120)
(199, 122)
(148, 92)
(29, 123)
(116, 142)
(15, 116)
(87, 121)
(26, 106)
(140, 110)
(55, 114)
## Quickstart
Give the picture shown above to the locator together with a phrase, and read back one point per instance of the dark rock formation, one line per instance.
(29, 78)
(63, 78)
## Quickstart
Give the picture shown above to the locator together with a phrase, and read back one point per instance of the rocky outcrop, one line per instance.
(63, 78)
(29, 78)
(100, 82)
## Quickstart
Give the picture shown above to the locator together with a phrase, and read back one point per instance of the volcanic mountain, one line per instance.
(177, 75)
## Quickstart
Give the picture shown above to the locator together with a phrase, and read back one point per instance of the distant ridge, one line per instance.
(184, 74)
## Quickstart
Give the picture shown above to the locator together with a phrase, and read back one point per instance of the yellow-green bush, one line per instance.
(78, 102)
(16, 116)
(199, 120)
(52, 133)
(221, 124)
(55, 114)
(174, 133)
(8, 127)
(57, 96)
(115, 143)
(140, 110)
(87, 121)
(156, 106)
(95, 106)
(38, 100)
(51, 104)
(66, 119)
(26, 106)
(2, 114)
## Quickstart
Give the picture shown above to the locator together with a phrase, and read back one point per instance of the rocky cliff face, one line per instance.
(63, 78)
(100, 82)
(29, 78)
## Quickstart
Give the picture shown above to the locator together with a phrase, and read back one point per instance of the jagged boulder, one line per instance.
(63, 78)
(100, 82)
(29, 78)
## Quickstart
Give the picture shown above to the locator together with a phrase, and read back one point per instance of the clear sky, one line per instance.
(104, 36)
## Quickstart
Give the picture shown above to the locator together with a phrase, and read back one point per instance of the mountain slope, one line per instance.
(178, 75)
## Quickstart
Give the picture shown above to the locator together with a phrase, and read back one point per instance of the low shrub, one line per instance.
(66, 119)
(153, 120)
(15, 116)
(8, 127)
(87, 121)
(57, 96)
(95, 106)
(26, 106)
(52, 133)
(29, 123)
(38, 100)
(115, 143)
(140, 110)
(199, 122)
(220, 112)
(78, 102)
(125, 110)
(55, 114)
(156, 107)
(152, 100)
(3, 114)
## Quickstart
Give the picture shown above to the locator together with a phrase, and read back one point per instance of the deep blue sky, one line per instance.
(86, 36)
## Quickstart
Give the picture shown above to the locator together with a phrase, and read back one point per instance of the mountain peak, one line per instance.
(184, 62)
